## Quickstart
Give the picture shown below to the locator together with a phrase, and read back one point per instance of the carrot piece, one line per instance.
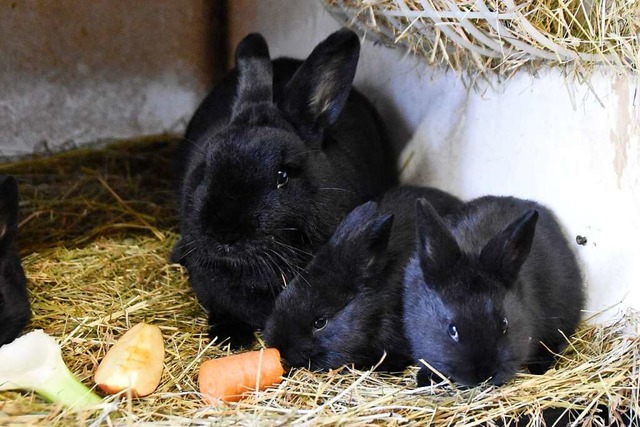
(228, 377)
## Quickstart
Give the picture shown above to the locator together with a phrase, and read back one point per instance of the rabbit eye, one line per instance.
(453, 332)
(320, 323)
(283, 178)
(505, 325)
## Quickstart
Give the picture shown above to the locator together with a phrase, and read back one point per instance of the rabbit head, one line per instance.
(332, 313)
(464, 312)
(260, 194)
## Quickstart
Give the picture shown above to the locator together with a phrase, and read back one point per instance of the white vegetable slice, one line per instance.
(34, 362)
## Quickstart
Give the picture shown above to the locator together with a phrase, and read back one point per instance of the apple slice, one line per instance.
(135, 361)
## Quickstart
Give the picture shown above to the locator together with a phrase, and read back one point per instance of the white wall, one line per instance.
(573, 147)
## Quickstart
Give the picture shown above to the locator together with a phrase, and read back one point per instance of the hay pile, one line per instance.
(503, 35)
(97, 227)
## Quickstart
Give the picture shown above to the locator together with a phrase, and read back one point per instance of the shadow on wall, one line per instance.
(438, 144)
(398, 129)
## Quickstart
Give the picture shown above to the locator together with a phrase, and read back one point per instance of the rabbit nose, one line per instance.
(484, 373)
(228, 238)
(228, 221)
(296, 358)
(230, 232)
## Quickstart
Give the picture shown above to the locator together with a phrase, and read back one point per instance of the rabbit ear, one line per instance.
(317, 92)
(8, 210)
(437, 247)
(505, 253)
(255, 73)
(354, 222)
(363, 237)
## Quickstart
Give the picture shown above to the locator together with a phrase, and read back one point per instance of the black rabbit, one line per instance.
(346, 307)
(15, 310)
(488, 287)
(273, 159)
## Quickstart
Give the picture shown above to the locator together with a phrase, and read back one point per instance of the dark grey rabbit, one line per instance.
(277, 154)
(15, 310)
(346, 307)
(486, 286)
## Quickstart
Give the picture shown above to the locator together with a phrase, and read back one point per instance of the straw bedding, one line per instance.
(96, 230)
(479, 36)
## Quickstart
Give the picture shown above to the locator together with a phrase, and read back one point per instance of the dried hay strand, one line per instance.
(504, 35)
(68, 198)
(109, 270)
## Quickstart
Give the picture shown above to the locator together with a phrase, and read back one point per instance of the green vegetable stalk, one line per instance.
(34, 362)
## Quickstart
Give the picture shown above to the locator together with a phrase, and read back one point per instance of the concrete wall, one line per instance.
(572, 146)
(81, 71)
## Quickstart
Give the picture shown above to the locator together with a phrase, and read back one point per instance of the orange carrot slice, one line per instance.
(228, 377)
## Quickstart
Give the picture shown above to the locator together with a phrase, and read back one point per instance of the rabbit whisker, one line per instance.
(302, 152)
(292, 248)
(337, 189)
(190, 252)
(286, 262)
(262, 267)
(272, 264)
(200, 147)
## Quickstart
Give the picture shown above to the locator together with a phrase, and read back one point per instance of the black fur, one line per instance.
(355, 284)
(495, 258)
(243, 237)
(15, 310)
